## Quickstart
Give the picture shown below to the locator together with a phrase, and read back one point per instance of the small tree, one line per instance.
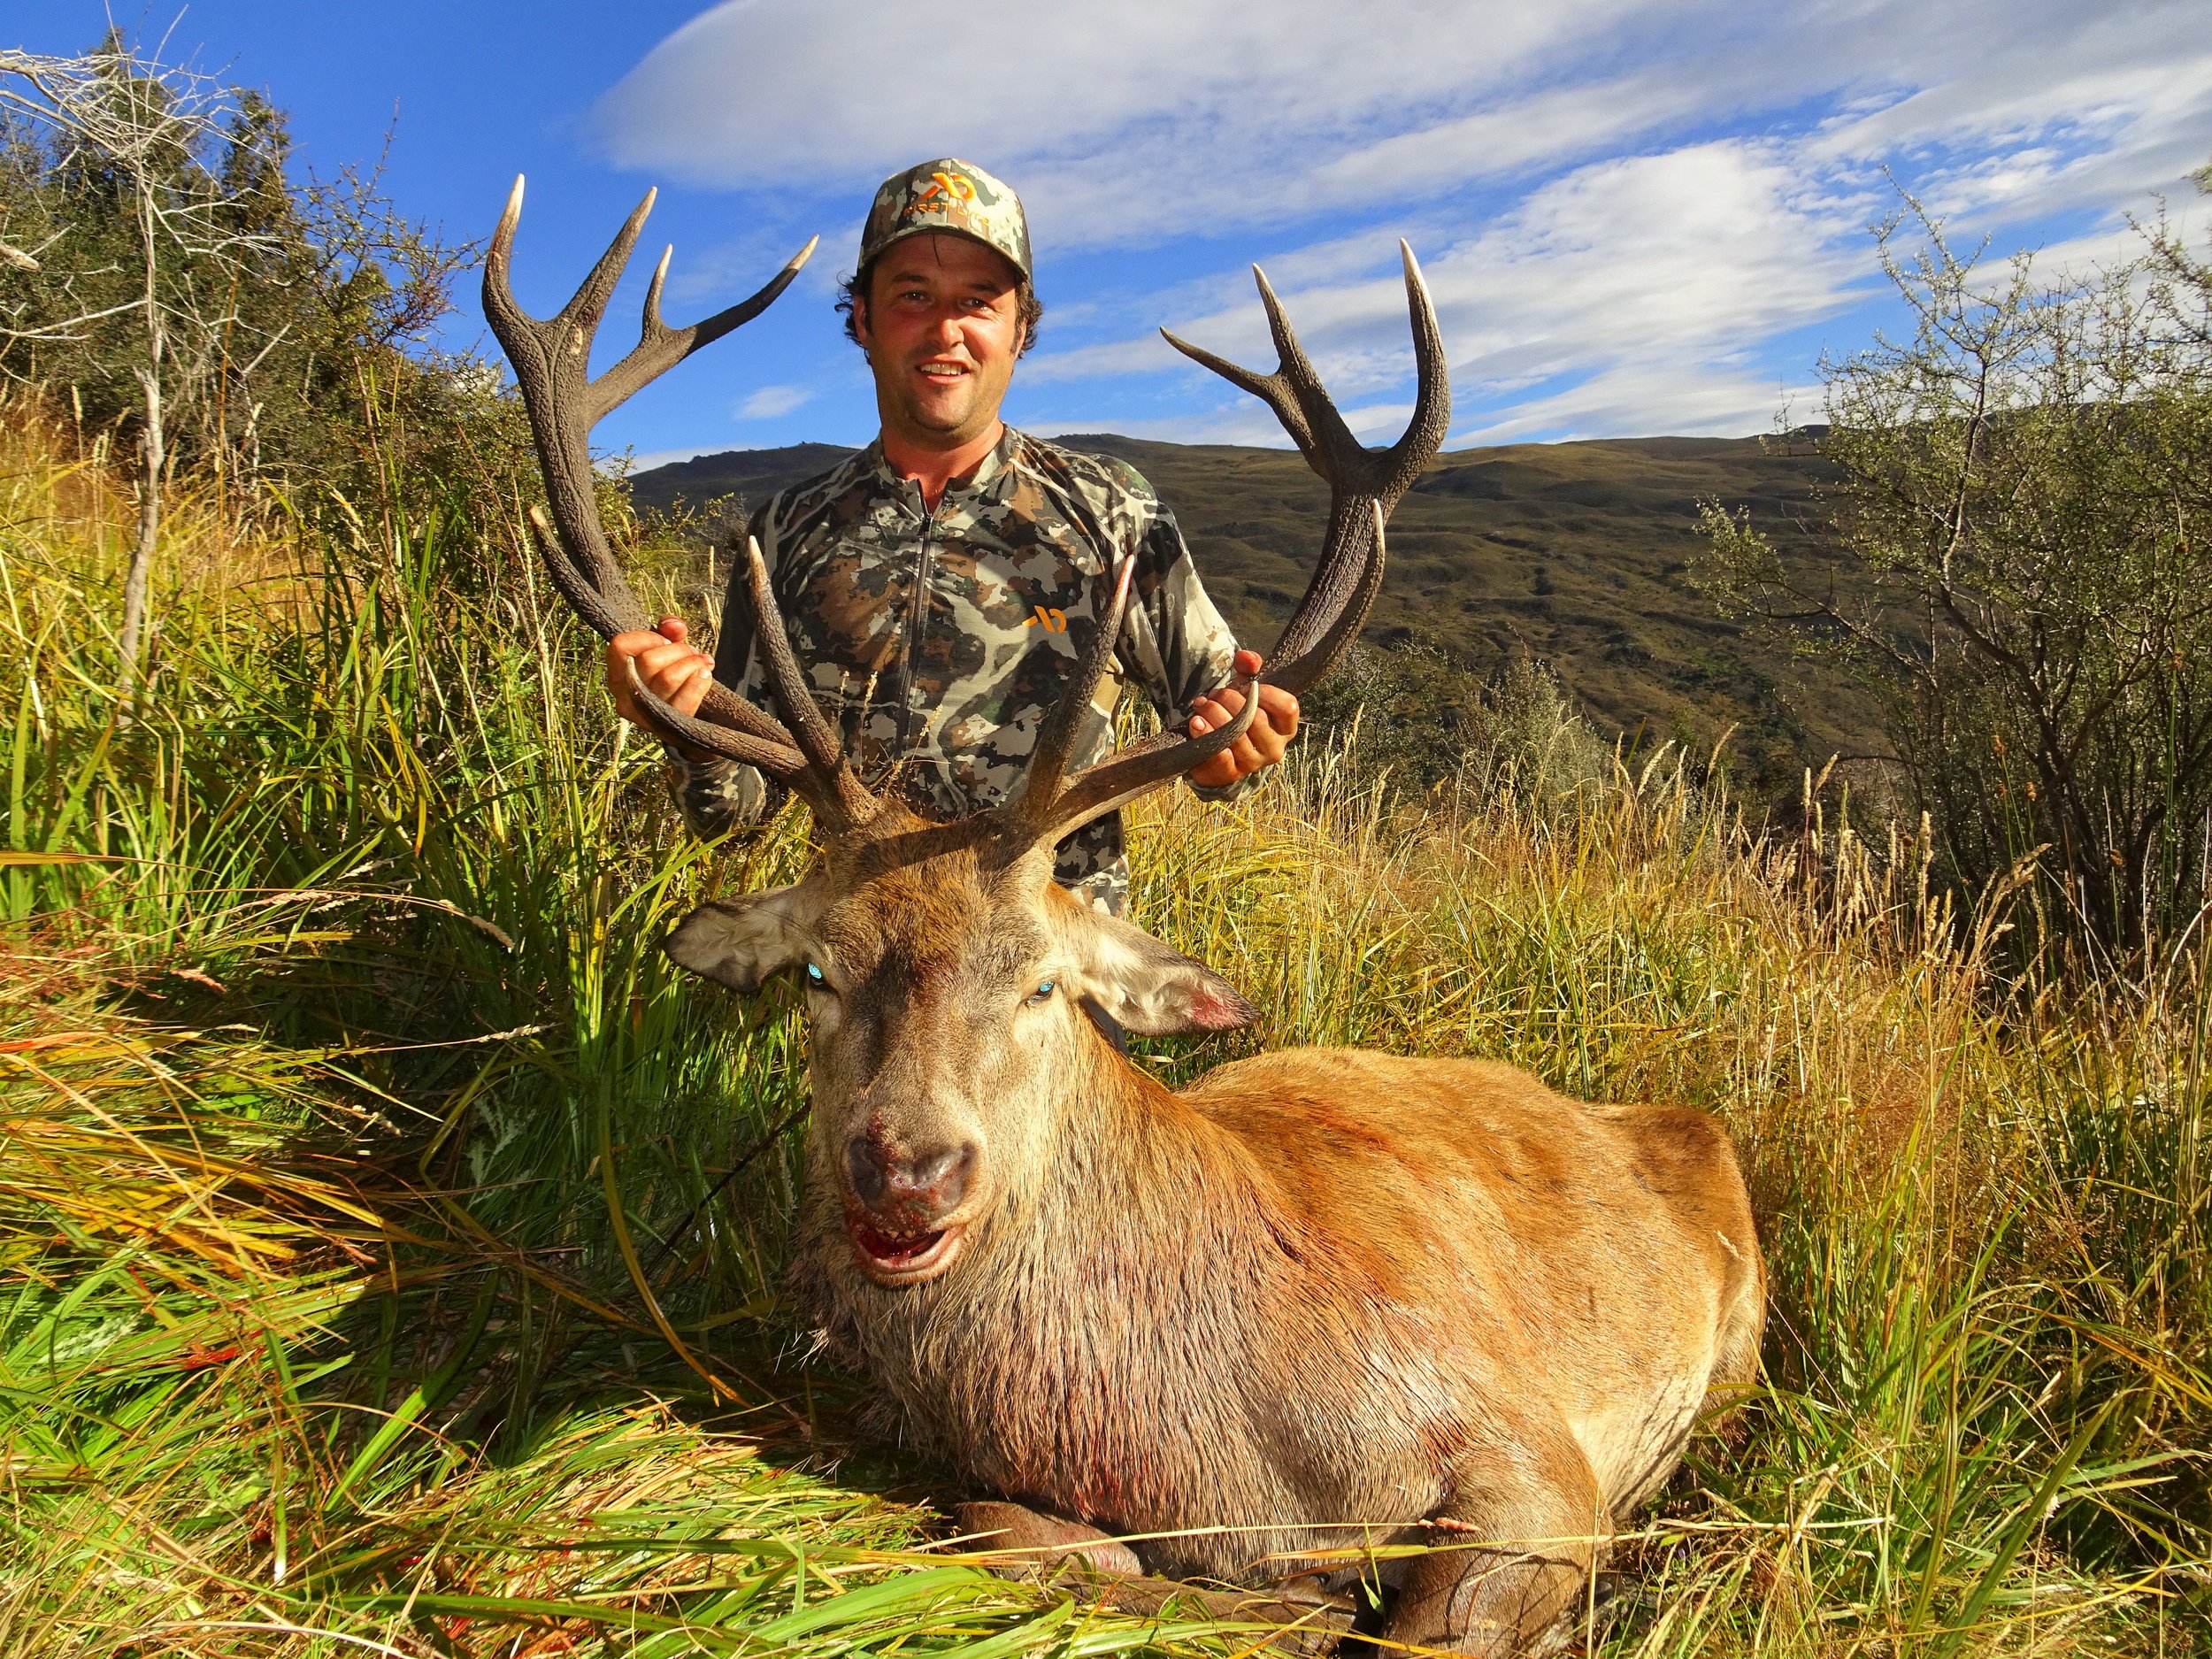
(155, 227)
(2023, 496)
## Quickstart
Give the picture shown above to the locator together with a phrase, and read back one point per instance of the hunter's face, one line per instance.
(942, 326)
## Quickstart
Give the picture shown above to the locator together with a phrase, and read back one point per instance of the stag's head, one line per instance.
(946, 1027)
(946, 975)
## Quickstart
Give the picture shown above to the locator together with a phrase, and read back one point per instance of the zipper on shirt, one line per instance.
(914, 626)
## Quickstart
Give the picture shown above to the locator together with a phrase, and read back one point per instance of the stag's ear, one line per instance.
(742, 943)
(1149, 989)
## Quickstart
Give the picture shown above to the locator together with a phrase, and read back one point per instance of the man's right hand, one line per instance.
(670, 668)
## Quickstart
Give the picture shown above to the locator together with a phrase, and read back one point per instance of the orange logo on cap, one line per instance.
(957, 185)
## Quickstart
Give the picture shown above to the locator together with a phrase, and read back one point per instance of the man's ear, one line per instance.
(742, 943)
(1146, 987)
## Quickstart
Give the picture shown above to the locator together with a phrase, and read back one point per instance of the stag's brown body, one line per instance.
(1323, 1286)
(1319, 1300)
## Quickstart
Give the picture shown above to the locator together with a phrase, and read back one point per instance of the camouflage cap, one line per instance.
(947, 195)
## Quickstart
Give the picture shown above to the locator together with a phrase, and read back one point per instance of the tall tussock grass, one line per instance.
(393, 1241)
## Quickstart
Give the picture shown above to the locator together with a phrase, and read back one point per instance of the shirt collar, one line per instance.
(990, 467)
(987, 471)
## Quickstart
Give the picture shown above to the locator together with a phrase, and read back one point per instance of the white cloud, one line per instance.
(1646, 400)
(828, 88)
(1530, 132)
(1620, 202)
(770, 402)
(1641, 282)
(1139, 121)
(1128, 120)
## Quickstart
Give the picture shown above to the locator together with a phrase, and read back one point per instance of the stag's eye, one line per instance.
(1043, 992)
(816, 979)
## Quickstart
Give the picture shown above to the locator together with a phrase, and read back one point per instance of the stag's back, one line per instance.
(1601, 1257)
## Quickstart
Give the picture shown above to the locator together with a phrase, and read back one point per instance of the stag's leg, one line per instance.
(1515, 1550)
(1025, 1544)
(1025, 1538)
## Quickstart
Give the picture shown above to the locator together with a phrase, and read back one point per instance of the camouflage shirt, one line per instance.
(938, 641)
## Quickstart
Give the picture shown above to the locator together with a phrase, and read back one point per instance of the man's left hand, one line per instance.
(1264, 741)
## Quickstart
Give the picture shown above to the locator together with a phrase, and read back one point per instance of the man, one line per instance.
(940, 584)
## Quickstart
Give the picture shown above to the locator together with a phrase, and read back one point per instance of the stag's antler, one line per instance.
(551, 361)
(1363, 486)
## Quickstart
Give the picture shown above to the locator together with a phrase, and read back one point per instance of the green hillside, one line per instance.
(1575, 553)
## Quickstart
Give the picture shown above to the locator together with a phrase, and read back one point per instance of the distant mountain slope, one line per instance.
(756, 474)
(1575, 552)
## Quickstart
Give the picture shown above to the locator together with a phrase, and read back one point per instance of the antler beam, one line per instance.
(551, 360)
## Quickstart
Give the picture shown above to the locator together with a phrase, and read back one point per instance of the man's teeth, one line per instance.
(943, 371)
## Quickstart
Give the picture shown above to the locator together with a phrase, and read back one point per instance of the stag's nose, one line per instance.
(921, 1189)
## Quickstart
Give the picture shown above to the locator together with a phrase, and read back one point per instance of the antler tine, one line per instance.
(1055, 739)
(1138, 770)
(661, 348)
(834, 788)
(588, 304)
(741, 732)
(502, 249)
(1294, 374)
(1284, 391)
(650, 324)
(780, 761)
(1335, 607)
(607, 615)
(1363, 486)
(1267, 387)
(1432, 382)
(551, 358)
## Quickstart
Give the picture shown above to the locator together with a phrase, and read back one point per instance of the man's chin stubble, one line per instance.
(962, 425)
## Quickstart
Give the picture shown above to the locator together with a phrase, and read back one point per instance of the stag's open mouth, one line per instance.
(903, 1258)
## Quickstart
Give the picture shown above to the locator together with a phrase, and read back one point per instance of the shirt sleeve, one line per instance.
(1175, 644)
(719, 797)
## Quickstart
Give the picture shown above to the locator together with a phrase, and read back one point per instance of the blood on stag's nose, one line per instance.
(924, 1187)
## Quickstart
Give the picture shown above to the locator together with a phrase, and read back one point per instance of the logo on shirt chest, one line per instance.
(1051, 621)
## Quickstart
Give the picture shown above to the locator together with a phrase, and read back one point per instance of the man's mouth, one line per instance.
(903, 1258)
(943, 371)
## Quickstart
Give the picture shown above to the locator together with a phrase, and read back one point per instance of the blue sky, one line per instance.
(1637, 218)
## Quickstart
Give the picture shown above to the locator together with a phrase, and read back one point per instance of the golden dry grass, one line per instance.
(347, 1101)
